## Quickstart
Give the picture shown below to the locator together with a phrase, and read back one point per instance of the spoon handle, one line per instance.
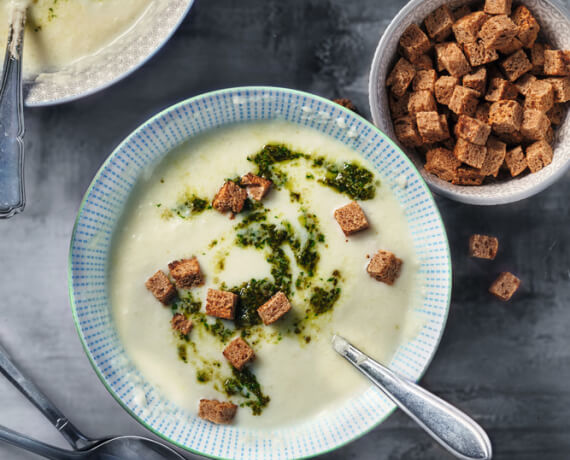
(450, 427)
(75, 438)
(12, 197)
(37, 447)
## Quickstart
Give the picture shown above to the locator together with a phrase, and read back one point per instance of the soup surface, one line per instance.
(289, 241)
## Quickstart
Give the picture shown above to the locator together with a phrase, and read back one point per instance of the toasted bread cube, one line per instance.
(439, 50)
(421, 101)
(463, 101)
(161, 287)
(538, 155)
(346, 103)
(231, 197)
(460, 12)
(401, 77)
(477, 80)
(537, 57)
(496, 151)
(556, 62)
(274, 308)
(414, 42)
(535, 124)
(422, 62)
(482, 112)
(468, 176)
(398, 105)
(515, 161)
(478, 54)
(442, 163)
(500, 90)
(256, 187)
(556, 113)
(181, 324)
(221, 304)
(524, 83)
(505, 286)
(513, 138)
(505, 116)
(407, 132)
(467, 28)
(424, 80)
(515, 65)
(561, 87)
(509, 48)
(239, 353)
(217, 411)
(186, 273)
(483, 246)
(471, 154)
(444, 87)
(527, 25)
(497, 31)
(454, 61)
(385, 267)
(438, 23)
(472, 130)
(351, 218)
(497, 6)
(431, 127)
(540, 96)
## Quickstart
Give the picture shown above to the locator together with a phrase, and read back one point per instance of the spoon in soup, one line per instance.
(451, 428)
(116, 448)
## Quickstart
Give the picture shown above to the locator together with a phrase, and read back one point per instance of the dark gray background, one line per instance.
(506, 364)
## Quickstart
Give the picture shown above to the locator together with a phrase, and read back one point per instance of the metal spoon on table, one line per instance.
(121, 447)
(450, 427)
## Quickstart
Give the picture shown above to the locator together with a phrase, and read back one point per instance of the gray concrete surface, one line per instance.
(508, 365)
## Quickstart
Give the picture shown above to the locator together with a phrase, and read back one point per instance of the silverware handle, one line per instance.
(75, 438)
(453, 429)
(37, 447)
(12, 196)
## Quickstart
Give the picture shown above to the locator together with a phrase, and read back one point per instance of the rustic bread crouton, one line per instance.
(421, 101)
(472, 130)
(561, 87)
(497, 6)
(424, 80)
(221, 304)
(556, 113)
(482, 113)
(556, 62)
(346, 103)
(483, 246)
(471, 154)
(538, 155)
(513, 138)
(422, 62)
(186, 273)
(524, 83)
(537, 57)
(496, 151)
(477, 80)
(515, 161)
(505, 116)
(442, 163)
(444, 87)
(407, 131)
(509, 48)
(414, 42)
(463, 10)
(432, 126)
(439, 50)
(398, 105)
(181, 324)
(467, 176)
(438, 23)
(539, 96)
(231, 197)
(535, 124)
(527, 25)
(505, 286)
(467, 28)
(274, 308)
(463, 101)
(217, 411)
(385, 267)
(239, 353)
(351, 218)
(256, 187)
(478, 54)
(453, 60)
(401, 77)
(161, 287)
(497, 31)
(515, 65)
(500, 89)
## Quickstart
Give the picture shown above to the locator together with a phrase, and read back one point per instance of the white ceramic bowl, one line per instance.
(555, 26)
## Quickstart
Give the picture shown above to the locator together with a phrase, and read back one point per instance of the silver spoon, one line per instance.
(121, 447)
(12, 197)
(450, 427)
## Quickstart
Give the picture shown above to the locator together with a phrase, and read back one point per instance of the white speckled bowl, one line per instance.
(555, 26)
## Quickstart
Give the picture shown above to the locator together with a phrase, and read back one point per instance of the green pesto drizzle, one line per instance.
(245, 383)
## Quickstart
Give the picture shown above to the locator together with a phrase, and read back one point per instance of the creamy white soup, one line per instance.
(296, 375)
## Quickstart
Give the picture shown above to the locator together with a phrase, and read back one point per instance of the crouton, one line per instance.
(482, 112)
(438, 23)
(505, 116)
(483, 246)
(186, 273)
(274, 308)
(510, 47)
(515, 161)
(421, 101)
(398, 105)
(181, 324)
(524, 83)
(407, 131)
(500, 90)
(468, 153)
(497, 31)
(231, 197)
(414, 42)
(217, 411)
(497, 6)
(561, 87)
(537, 57)
(556, 113)
(432, 127)
(534, 125)
(444, 87)
(460, 12)
(453, 60)
(463, 101)
(346, 103)
(515, 65)
(351, 218)
(539, 96)
(467, 28)
(385, 267)
(478, 54)
(424, 80)
(239, 353)
(439, 50)
(527, 25)
(422, 62)
(556, 62)
(401, 77)
(472, 130)
(257, 187)
(538, 155)
(467, 176)
(221, 304)
(161, 287)
(477, 80)
(513, 138)
(496, 151)
(442, 163)
(505, 286)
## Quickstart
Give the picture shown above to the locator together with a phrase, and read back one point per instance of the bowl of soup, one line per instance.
(154, 207)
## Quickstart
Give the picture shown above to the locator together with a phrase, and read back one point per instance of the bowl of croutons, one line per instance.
(476, 94)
